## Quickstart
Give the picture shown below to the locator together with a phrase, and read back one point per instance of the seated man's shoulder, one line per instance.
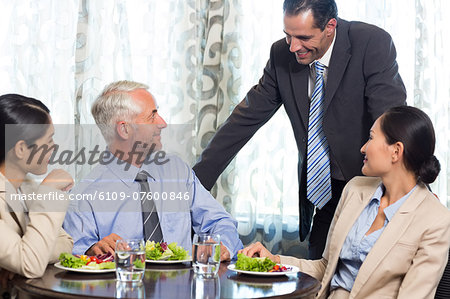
(173, 165)
(94, 177)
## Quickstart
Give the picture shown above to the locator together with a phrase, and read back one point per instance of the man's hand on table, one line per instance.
(105, 245)
(224, 253)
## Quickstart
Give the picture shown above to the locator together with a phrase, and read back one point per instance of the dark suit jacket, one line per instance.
(363, 81)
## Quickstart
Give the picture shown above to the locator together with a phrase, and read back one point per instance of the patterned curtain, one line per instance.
(199, 58)
(418, 30)
(36, 53)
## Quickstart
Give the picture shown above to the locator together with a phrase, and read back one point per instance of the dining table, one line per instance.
(166, 281)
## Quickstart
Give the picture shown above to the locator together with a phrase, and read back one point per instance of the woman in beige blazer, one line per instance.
(30, 230)
(390, 235)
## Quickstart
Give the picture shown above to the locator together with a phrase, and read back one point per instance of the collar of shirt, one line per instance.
(378, 193)
(325, 59)
(124, 171)
(390, 210)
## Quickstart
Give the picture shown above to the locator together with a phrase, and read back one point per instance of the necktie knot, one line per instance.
(320, 68)
(142, 176)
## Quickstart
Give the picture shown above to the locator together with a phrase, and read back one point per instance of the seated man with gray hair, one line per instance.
(160, 200)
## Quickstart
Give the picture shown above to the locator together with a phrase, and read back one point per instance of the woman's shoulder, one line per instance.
(363, 182)
(431, 203)
(360, 187)
(29, 184)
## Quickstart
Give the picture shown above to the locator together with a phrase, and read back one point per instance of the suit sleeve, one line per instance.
(384, 86)
(63, 243)
(260, 103)
(429, 262)
(317, 268)
(28, 255)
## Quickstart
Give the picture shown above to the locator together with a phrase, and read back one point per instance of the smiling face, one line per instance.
(308, 42)
(377, 153)
(148, 123)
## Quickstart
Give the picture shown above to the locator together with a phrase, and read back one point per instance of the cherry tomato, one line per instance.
(94, 259)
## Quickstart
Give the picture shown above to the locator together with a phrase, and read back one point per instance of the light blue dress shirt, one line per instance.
(111, 204)
(357, 245)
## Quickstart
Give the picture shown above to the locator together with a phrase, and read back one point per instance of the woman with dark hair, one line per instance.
(390, 235)
(30, 229)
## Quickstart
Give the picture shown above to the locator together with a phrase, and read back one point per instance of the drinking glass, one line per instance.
(206, 254)
(130, 289)
(130, 260)
(205, 288)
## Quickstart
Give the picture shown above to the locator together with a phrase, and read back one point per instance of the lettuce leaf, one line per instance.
(179, 253)
(152, 250)
(256, 264)
(156, 251)
(104, 265)
(70, 261)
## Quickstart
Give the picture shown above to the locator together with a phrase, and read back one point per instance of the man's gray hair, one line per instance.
(115, 104)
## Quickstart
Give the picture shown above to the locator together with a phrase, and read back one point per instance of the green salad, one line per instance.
(256, 264)
(164, 251)
(87, 262)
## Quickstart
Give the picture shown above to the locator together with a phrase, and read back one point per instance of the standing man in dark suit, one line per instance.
(359, 82)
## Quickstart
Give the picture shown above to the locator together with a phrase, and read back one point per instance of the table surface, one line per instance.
(166, 281)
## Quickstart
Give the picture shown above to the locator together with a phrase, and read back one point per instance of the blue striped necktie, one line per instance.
(318, 186)
(150, 219)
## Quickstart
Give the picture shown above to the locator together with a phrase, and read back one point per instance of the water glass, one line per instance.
(130, 289)
(205, 288)
(130, 260)
(206, 255)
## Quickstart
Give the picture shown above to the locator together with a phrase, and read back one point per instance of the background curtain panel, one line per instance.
(199, 58)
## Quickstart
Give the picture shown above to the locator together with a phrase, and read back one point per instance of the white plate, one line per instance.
(189, 259)
(293, 270)
(83, 270)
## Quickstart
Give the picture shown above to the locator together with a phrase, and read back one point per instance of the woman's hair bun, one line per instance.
(429, 170)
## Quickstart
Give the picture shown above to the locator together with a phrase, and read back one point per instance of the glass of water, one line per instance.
(130, 289)
(206, 255)
(130, 260)
(202, 288)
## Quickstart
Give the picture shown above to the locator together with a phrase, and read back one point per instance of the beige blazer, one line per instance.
(408, 259)
(28, 245)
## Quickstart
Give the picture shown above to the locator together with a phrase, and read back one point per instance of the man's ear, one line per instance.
(123, 130)
(398, 151)
(331, 26)
(20, 149)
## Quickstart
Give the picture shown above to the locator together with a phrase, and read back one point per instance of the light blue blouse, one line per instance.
(357, 245)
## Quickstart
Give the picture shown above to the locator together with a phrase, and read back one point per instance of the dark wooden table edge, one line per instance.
(22, 287)
(35, 292)
(31, 291)
(309, 293)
